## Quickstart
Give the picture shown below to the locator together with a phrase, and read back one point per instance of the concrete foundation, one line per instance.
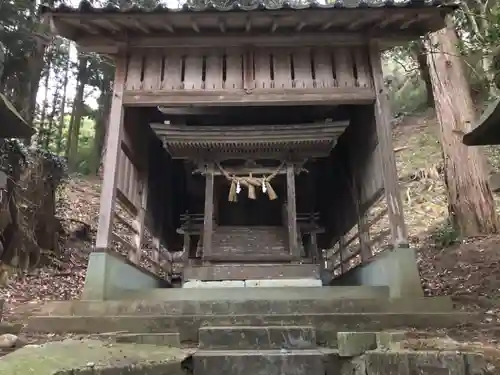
(110, 277)
(396, 269)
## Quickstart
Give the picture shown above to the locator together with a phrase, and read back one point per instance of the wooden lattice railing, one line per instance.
(362, 242)
(132, 191)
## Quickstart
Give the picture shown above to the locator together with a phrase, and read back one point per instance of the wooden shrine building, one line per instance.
(253, 134)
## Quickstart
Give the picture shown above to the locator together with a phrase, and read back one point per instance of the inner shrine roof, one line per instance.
(187, 142)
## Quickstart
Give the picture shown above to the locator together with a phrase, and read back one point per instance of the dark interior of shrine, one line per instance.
(322, 187)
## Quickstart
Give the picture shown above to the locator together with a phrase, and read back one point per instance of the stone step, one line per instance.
(159, 339)
(216, 272)
(256, 294)
(239, 307)
(303, 283)
(250, 257)
(257, 338)
(227, 229)
(253, 362)
(327, 325)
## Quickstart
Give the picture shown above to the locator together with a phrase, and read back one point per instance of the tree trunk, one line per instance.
(50, 128)
(78, 108)
(470, 201)
(419, 53)
(100, 129)
(63, 106)
(45, 104)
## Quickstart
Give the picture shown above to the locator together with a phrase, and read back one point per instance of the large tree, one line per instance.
(470, 201)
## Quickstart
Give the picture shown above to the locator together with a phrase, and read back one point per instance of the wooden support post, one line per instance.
(291, 211)
(156, 254)
(187, 245)
(113, 147)
(313, 247)
(386, 152)
(135, 254)
(208, 224)
(364, 237)
(341, 253)
(363, 229)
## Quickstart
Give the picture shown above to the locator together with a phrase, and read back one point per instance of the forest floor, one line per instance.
(468, 270)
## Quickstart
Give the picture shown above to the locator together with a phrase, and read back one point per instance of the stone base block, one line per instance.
(110, 276)
(257, 338)
(263, 283)
(270, 362)
(217, 272)
(406, 363)
(432, 363)
(351, 344)
(396, 269)
(214, 284)
(160, 339)
(282, 283)
(390, 339)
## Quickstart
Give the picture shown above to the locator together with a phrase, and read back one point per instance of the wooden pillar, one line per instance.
(291, 211)
(111, 159)
(313, 247)
(364, 237)
(135, 254)
(386, 152)
(208, 224)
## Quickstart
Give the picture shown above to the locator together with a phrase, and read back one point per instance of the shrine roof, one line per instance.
(312, 140)
(259, 5)
(372, 18)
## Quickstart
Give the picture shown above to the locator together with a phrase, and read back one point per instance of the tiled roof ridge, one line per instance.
(86, 7)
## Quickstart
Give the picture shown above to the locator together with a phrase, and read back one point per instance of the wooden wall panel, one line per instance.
(214, 65)
(128, 181)
(134, 73)
(193, 71)
(172, 71)
(262, 68)
(152, 71)
(362, 67)
(282, 69)
(234, 73)
(302, 68)
(323, 68)
(344, 69)
(265, 68)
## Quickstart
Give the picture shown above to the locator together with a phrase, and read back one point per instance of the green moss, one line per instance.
(58, 357)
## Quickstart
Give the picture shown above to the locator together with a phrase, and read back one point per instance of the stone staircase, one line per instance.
(252, 350)
(272, 331)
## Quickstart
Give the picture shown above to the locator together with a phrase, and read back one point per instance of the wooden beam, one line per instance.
(257, 97)
(292, 211)
(113, 147)
(246, 171)
(208, 224)
(238, 39)
(300, 26)
(387, 162)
